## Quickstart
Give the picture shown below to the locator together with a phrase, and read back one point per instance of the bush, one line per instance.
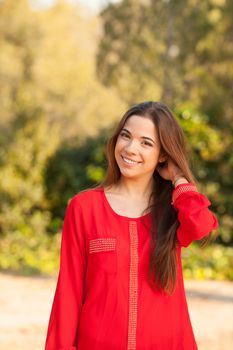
(213, 262)
(40, 255)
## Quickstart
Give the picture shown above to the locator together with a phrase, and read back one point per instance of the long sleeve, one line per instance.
(195, 218)
(68, 298)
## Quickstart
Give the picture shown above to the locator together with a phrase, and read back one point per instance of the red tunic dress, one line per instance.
(103, 300)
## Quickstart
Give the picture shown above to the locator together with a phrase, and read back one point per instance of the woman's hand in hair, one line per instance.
(168, 169)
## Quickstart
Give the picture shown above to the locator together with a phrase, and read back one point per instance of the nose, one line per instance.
(131, 147)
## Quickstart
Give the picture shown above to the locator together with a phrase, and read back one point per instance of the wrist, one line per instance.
(178, 180)
(182, 180)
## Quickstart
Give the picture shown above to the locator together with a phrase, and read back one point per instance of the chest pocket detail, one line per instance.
(102, 245)
(102, 254)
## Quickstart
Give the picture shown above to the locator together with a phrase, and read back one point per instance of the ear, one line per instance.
(162, 158)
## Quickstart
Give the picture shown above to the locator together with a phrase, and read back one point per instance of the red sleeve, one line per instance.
(68, 298)
(195, 218)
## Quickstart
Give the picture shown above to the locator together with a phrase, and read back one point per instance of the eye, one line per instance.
(124, 134)
(148, 143)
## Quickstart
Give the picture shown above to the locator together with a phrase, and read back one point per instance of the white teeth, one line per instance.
(129, 161)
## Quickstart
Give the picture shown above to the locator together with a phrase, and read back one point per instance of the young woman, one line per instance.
(120, 285)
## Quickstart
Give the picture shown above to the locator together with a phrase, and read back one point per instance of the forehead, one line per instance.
(141, 126)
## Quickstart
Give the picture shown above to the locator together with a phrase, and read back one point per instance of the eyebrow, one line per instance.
(143, 137)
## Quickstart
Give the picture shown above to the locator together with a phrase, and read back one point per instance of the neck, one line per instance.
(135, 189)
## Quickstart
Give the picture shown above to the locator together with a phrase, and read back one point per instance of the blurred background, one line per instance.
(68, 72)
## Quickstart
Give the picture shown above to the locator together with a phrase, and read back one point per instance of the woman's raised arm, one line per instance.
(196, 219)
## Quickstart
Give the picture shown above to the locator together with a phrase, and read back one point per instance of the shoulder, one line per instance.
(86, 197)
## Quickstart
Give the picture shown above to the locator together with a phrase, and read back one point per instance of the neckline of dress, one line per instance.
(119, 215)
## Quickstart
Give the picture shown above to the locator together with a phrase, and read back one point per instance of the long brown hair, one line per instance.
(162, 272)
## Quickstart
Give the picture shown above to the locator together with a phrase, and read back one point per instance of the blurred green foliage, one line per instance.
(73, 167)
(66, 77)
(40, 255)
(213, 262)
(35, 255)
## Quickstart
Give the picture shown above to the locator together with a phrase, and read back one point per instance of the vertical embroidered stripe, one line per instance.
(182, 189)
(133, 286)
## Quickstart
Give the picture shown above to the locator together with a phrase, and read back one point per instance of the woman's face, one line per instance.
(137, 148)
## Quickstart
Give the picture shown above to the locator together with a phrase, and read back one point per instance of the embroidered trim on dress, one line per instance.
(133, 286)
(102, 244)
(181, 189)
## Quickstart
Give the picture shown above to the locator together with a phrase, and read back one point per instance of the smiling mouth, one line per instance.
(129, 161)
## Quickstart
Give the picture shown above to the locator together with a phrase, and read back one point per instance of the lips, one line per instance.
(129, 161)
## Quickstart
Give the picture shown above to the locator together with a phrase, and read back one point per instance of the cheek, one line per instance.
(118, 147)
(154, 157)
(116, 151)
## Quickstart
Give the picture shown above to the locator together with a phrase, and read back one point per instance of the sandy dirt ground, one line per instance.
(25, 304)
